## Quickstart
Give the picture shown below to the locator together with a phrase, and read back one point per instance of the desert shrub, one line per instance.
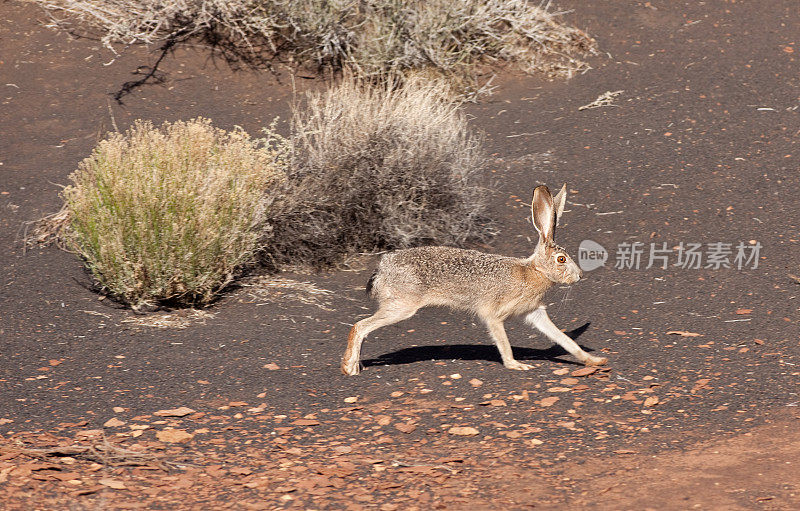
(370, 37)
(170, 213)
(377, 167)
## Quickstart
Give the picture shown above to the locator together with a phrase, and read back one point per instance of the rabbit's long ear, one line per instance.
(543, 213)
(559, 201)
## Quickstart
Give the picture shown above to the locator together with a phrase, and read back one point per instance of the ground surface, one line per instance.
(701, 147)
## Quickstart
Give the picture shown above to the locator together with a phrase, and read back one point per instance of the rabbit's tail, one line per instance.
(371, 283)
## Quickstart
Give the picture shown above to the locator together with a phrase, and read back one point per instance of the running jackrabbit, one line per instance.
(493, 287)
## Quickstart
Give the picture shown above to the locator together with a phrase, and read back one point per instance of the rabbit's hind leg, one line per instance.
(386, 315)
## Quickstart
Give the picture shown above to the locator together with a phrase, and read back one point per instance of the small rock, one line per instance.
(89, 433)
(683, 333)
(405, 427)
(305, 422)
(475, 382)
(463, 431)
(174, 436)
(112, 483)
(548, 401)
(584, 371)
(113, 422)
(175, 412)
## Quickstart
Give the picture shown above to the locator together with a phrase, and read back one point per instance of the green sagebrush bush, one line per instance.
(171, 213)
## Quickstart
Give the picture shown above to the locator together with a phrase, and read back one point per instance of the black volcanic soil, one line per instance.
(701, 147)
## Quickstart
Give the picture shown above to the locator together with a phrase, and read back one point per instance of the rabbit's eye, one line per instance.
(561, 259)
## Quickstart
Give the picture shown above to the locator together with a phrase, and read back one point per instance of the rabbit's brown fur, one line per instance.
(493, 287)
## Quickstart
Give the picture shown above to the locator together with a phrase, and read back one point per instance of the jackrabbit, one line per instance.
(493, 287)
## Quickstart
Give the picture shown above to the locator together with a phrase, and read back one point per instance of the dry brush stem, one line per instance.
(104, 452)
(49, 229)
(605, 99)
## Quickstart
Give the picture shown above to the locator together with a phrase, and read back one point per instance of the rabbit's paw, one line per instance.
(517, 365)
(351, 369)
(595, 361)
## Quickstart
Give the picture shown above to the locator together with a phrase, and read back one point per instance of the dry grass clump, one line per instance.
(267, 289)
(178, 320)
(377, 167)
(170, 213)
(369, 37)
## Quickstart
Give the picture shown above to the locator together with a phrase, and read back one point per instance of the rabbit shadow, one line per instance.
(487, 352)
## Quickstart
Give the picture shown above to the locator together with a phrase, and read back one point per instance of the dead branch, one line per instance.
(104, 453)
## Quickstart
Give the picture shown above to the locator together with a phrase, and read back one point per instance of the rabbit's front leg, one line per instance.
(498, 333)
(544, 324)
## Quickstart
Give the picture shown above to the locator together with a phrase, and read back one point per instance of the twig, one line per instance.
(396, 463)
(604, 99)
(527, 134)
(609, 488)
(111, 114)
(128, 87)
